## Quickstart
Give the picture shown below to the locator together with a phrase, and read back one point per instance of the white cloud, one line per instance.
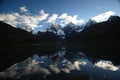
(73, 19)
(64, 19)
(63, 16)
(23, 9)
(42, 12)
(9, 18)
(42, 16)
(30, 22)
(103, 16)
(67, 18)
(53, 18)
(17, 20)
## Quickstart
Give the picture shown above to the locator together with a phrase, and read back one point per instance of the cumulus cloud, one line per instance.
(63, 16)
(103, 16)
(42, 12)
(53, 18)
(23, 21)
(10, 18)
(67, 19)
(42, 15)
(30, 22)
(23, 9)
(73, 19)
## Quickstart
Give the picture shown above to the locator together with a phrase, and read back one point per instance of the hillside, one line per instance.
(12, 35)
(107, 32)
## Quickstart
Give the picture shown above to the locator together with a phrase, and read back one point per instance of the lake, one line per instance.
(59, 62)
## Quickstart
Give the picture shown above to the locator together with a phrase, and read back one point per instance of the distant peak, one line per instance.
(55, 25)
(112, 18)
(90, 22)
(70, 24)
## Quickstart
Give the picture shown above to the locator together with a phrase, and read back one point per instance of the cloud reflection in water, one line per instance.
(45, 66)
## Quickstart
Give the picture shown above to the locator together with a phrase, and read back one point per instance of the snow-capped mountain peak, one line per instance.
(69, 28)
(70, 24)
(56, 29)
(62, 31)
(55, 26)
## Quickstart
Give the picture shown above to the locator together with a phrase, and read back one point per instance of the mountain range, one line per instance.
(94, 39)
(91, 32)
(62, 32)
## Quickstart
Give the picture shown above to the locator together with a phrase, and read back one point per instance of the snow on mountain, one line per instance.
(80, 28)
(60, 32)
(71, 29)
(56, 29)
(67, 29)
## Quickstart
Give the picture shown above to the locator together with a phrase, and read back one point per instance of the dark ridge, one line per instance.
(104, 32)
(12, 35)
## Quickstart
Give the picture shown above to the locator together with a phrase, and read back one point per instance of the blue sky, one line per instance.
(60, 11)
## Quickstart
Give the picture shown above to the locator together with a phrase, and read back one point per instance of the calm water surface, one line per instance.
(60, 63)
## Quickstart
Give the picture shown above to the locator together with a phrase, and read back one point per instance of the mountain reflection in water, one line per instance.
(62, 66)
